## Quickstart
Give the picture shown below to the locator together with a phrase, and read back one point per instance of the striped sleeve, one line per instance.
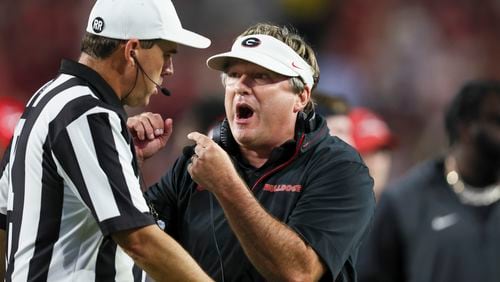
(98, 159)
(4, 187)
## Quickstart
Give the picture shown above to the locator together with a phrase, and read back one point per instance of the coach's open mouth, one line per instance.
(244, 111)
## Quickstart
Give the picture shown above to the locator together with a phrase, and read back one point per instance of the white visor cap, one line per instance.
(143, 20)
(267, 52)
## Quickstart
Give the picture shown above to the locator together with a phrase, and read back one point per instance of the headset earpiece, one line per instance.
(134, 59)
(222, 135)
(305, 123)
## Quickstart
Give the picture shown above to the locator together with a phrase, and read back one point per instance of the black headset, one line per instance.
(222, 135)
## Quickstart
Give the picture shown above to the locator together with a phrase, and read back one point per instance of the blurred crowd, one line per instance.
(403, 60)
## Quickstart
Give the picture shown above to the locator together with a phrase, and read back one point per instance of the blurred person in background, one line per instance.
(335, 109)
(363, 129)
(441, 222)
(373, 139)
(71, 207)
(278, 198)
(10, 112)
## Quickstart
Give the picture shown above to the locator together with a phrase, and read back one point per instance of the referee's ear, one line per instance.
(131, 51)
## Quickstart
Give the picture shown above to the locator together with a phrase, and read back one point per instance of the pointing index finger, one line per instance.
(197, 137)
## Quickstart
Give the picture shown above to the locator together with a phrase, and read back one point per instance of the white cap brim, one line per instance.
(267, 52)
(188, 38)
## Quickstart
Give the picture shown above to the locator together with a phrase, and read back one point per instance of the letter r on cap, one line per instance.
(98, 25)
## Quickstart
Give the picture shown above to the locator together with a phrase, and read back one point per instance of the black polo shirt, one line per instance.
(422, 232)
(318, 186)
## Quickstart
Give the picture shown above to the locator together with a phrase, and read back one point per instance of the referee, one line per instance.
(71, 207)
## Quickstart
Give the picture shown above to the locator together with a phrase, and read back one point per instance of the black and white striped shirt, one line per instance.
(68, 181)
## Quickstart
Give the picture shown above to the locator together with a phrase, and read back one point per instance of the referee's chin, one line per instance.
(135, 101)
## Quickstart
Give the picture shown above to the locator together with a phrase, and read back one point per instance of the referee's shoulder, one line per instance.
(88, 101)
(81, 103)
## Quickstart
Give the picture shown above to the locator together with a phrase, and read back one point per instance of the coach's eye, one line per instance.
(261, 78)
(233, 74)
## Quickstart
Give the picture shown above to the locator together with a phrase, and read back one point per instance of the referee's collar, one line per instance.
(102, 89)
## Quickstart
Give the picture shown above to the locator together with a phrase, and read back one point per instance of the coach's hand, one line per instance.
(211, 167)
(150, 133)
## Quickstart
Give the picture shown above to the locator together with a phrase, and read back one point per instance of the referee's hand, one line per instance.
(150, 133)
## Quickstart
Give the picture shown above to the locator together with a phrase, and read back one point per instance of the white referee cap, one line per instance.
(143, 20)
(267, 52)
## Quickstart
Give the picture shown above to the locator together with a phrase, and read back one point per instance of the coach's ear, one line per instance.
(301, 99)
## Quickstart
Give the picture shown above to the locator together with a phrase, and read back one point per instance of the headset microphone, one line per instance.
(163, 90)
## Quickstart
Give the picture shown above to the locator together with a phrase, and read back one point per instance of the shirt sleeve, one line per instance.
(335, 211)
(97, 157)
(4, 188)
(163, 196)
(381, 259)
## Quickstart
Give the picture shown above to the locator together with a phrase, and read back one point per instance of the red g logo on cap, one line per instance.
(251, 42)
